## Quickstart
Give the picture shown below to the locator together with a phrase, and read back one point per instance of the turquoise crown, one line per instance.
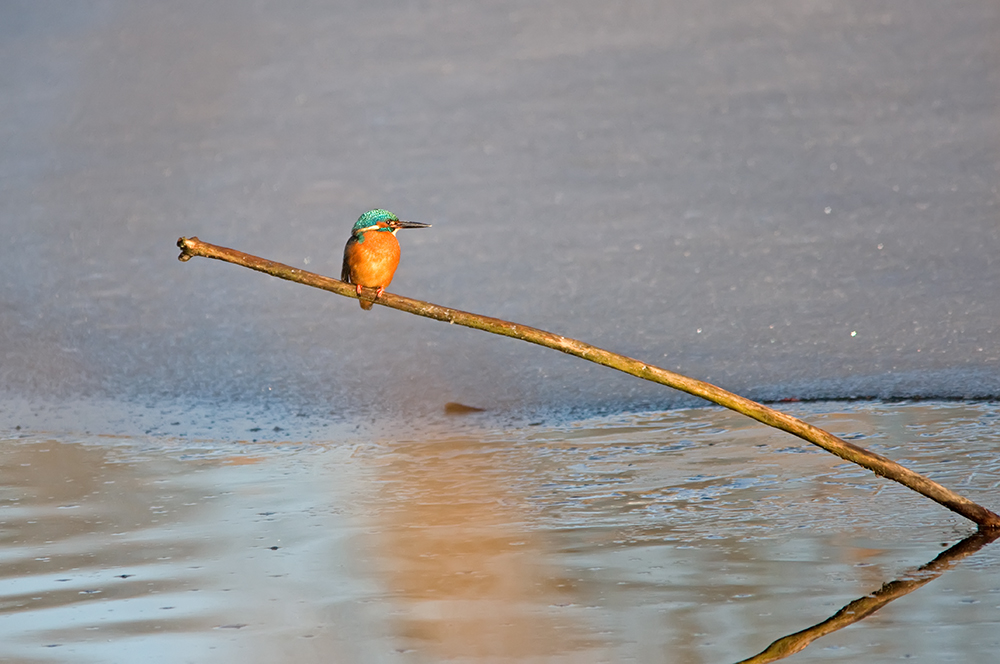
(372, 217)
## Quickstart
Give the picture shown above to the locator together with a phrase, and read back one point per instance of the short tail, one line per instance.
(366, 304)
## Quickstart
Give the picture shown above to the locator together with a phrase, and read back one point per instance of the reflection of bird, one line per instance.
(372, 252)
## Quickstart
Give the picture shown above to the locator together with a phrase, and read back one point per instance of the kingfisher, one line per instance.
(372, 252)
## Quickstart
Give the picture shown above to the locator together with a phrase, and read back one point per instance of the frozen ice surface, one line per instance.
(792, 200)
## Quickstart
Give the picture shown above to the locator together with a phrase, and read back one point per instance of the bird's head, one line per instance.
(382, 220)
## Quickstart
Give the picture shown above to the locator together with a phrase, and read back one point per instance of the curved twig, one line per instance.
(877, 463)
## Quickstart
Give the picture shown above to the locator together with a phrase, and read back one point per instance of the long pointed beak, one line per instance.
(407, 224)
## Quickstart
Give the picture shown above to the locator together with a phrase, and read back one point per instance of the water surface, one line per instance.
(683, 536)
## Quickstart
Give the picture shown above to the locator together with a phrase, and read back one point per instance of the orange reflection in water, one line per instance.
(469, 575)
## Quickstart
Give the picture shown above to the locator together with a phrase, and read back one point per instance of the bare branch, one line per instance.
(877, 463)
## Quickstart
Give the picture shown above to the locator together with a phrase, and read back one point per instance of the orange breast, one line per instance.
(371, 262)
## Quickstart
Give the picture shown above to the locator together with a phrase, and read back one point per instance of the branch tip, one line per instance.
(185, 247)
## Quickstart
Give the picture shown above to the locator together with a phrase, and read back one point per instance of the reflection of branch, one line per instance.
(863, 607)
(877, 463)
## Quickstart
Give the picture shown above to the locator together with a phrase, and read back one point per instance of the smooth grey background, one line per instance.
(793, 199)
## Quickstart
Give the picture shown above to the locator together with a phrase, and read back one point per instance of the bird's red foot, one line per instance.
(357, 287)
(378, 292)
